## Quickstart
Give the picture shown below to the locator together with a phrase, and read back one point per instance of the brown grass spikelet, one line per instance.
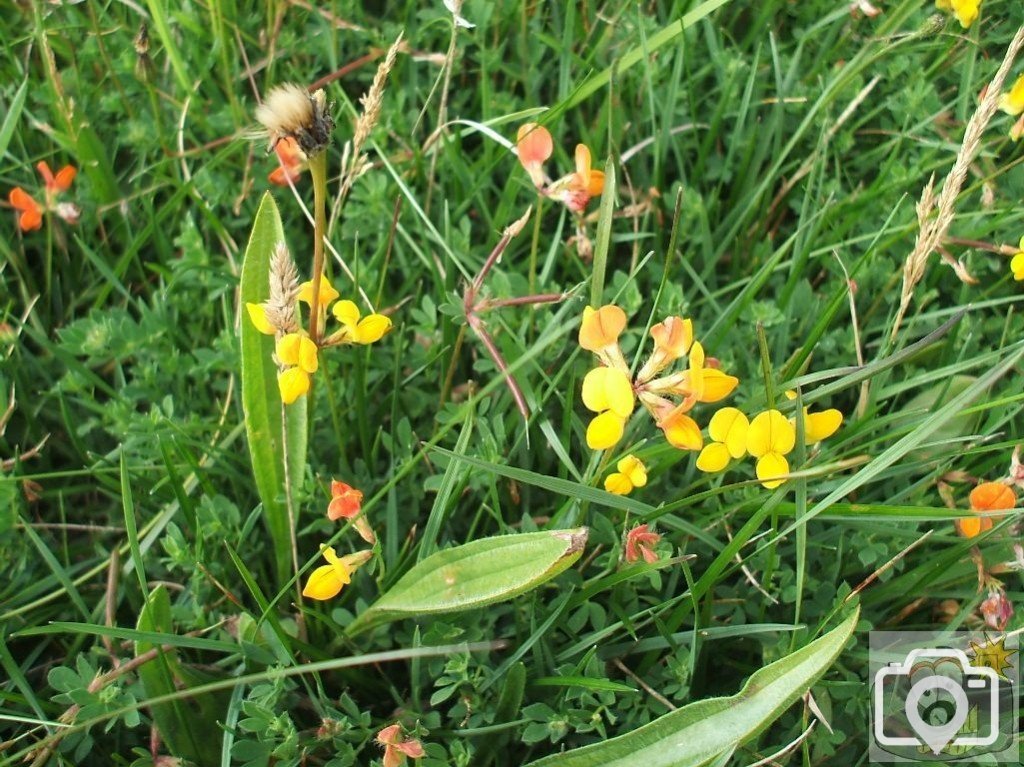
(932, 230)
(284, 288)
(372, 101)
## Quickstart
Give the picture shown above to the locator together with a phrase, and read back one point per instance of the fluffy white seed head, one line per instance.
(286, 110)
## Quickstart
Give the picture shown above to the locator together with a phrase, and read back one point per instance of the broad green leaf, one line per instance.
(267, 421)
(189, 729)
(705, 731)
(476, 574)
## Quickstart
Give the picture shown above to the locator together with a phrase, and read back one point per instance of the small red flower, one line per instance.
(31, 213)
(396, 747)
(997, 609)
(346, 501)
(59, 183)
(640, 542)
(291, 162)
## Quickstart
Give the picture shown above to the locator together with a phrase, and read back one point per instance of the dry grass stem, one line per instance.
(933, 229)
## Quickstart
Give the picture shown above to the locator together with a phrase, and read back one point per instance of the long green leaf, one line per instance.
(476, 574)
(12, 117)
(265, 423)
(704, 731)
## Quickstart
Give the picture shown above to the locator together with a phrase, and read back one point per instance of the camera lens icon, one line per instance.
(936, 703)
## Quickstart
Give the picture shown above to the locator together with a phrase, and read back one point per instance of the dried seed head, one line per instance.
(284, 291)
(373, 99)
(289, 111)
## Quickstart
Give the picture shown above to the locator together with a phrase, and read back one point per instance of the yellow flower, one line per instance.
(1013, 102)
(728, 429)
(609, 393)
(327, 581)
(631, 474)
(601, 328)
(966, 11)
(1017, 262)
(680, 430)
(327, 293)
(258, 316)
(298, 354)
(366, 330)
(672, 339)
(770, 437)
(817, 426)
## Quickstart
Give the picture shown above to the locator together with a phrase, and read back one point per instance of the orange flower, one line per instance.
(291, 161)
(586, 179)
(396, 747)
(988, 496)
(640, 542)
(534, 145)
(347, 503)
(59, 183)
(31, 213)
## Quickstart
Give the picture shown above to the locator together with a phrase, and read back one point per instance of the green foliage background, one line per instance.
(120, 342)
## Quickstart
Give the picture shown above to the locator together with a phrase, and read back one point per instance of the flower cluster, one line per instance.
(30, 212)
(640, 543)
(327, 581)
(966, 11)
(296, 353)
(611, 392)
(574, 190)
(768, 437)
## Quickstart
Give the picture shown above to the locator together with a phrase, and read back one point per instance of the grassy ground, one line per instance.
(767, 164)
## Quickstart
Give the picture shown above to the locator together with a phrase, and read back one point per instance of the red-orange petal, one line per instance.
(31, 214)
(64, 178)
(992, 496)
(44, 170)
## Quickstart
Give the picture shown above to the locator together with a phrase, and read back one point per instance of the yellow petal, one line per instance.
(371, 329)
(608, 389)
(307, 355)
(601, 327)
(605, 430)
(618, 484)
(347, 313)
(1017, 267)
(771, 468)
(819, 426)
(327, 293)
(293, 383)
(729, 426)
(324, 583)
(682, 432)
(717, 385)
(287, 349)
(258, 315)
(583, 160)
(770, 432)
(696, 356)
(634, 469)
(713, 458)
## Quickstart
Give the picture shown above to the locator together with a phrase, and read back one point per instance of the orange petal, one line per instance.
(22, 200)
(595, 183)
(29, 220)
(601, 327)
(534, 145)
(44, 170)
(64, 178)
(992, 496)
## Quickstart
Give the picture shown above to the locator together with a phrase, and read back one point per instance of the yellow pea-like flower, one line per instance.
(327, 581)
(728, 429)
(293, 383)
(602, 327)
(1017, 263)
(608, 389)
(327, 293)
(1012, 102)
(770, 437)
(258, 316)
(605, 430)
(299, 350)
(631, 474)
(358, 329)
(772, 469)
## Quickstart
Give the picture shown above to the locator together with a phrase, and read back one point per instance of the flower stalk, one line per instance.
(318, 172)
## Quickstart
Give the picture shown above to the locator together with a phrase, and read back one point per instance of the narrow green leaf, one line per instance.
(267, 423)
(12, 117)
(704, 731)
(476, 574)
(187, 734)
(604, 235)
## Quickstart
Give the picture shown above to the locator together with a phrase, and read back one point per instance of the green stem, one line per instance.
(318, 171)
